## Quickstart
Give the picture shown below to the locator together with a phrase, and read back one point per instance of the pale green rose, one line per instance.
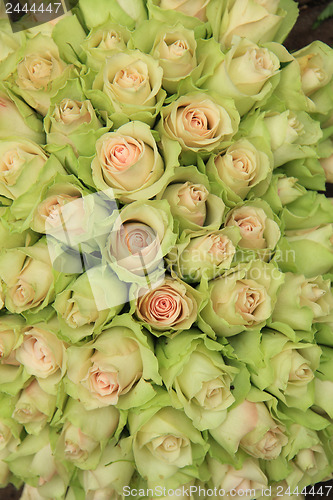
(306, 454)
(196, 375)
(128, 87)
(258, 228)
(72, 120)
(89, 302)
(10, 429)
(85, 434)
(170, 306)
(235, 482)
(13, 376)
(288, 190)
(32, 462)
(115, 369)
(243, 298)
(247, 73)
(40, 73)
(302, 301)
(289, 369)
(282, 190)
(258, 20)
(244, 165)
(113, 473)
(140, 237)
(103, 41)
(310, 210)
(175, 49)
(167, 448)
(11, 239)
(199, 122)
(250, 426)
(175, 9)
(129, 162)
(192, 205)
(17, 118)
(28, 277)
(293, 135)
(306, 243)
(123, 12)
(43, 355)
(11, 46)
(52, 476)
(34, 408)
(51, 207)
(22, 162)
(203, 254)
(10, 331)
(316, 66)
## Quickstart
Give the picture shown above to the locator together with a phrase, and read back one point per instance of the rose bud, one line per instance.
(110, 370)
(175, 50)
(242, 166)
(259, 22)
(316, 66)
(171, 305)
(165, 444)
(40, 73)
(141, 235)
(257, 226)
(131, 82)
(85, 434)
(251, 427)
(243, 298)
(199, 377)
(28, 277)
(17, 118)
(289, 369)
(247, 73)
(301, 302)
(198, 122)
(204, 254)
(35, 408)
(20, 166)
(129, 162)
(74, 122)
(249, 478)
(43, 355)
(89, 302)
(102, 42)
(191, 203)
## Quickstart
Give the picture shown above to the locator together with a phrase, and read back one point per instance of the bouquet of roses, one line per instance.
(166, 256)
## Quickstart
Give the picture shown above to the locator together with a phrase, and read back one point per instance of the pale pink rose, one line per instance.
(188, 200)
(169, 305)
(127, 160)
(41, 352)
(257, 230)
(135, 246)
(113, 374)
(199, 123)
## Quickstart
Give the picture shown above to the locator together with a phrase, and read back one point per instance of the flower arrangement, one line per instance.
(166, 254)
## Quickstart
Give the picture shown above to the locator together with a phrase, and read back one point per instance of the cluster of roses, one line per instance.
(166, 258)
